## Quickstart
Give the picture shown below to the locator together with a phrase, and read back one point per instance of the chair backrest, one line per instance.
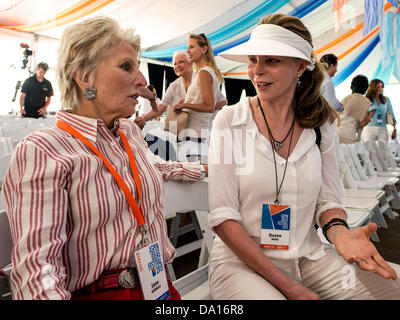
(6, 146)
(373, 156)
(365, 160)
(345, 174)
(349, 161)
(6, 243)
(379, 156)
(4, 163)
(188, 150)
(357, 163)
(180, 196)
(387, 154)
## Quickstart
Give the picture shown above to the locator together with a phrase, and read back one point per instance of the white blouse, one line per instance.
(199, 123)
(242, 179)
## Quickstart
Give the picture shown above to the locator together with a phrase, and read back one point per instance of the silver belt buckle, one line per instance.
(127, 278)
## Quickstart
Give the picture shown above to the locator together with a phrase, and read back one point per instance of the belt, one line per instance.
(117, 278)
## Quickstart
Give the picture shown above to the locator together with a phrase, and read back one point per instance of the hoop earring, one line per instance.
(90, 93)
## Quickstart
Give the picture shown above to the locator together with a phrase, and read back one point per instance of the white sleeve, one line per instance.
(223, 185)
(332, 191)
(328, 92)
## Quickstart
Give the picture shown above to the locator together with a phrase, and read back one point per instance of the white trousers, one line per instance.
(330, 277)
(375, 133)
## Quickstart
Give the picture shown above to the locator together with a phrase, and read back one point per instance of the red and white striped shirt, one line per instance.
(69, 219)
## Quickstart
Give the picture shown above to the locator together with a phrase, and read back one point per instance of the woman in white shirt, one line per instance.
(270, 182)
(202, 93)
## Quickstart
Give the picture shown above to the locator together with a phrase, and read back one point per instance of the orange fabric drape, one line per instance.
(78, 10)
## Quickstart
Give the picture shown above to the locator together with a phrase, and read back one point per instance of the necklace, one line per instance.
(278, 190)
(275, 143)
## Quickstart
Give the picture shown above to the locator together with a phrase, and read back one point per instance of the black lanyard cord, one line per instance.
(291, 130)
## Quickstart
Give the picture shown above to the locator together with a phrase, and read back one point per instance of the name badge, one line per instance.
(379, 118)
(275, 227)
(152, 275)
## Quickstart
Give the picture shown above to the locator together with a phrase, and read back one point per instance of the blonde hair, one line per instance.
(82, 47)
(202, 41)
(311, 109)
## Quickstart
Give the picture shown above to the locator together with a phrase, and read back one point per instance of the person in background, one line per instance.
(376, 129)
(36, 93)
(355, 115)
(177, 90)
(148, 100)
(83, 196)
(263, 207)
(202, 93)
(328, 89)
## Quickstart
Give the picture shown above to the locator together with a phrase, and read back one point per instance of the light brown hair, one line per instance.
(203, 41)
(311, 109)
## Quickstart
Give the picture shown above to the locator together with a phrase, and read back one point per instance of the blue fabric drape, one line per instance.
(395, 3)
(373, 9)
(386, 35)
(344, 74)
(396, 67)
(228, 31)
(299, 12)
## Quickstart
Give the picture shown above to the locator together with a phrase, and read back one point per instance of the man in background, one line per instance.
(36, 93)
(327, 88)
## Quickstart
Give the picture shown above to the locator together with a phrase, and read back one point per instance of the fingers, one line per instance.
(377, 264)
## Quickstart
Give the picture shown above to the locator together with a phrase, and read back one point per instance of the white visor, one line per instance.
(270, 40)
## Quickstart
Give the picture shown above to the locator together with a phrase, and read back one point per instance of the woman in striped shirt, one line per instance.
(71, 222)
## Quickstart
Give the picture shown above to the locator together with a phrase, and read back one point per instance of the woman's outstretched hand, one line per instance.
(355, 246)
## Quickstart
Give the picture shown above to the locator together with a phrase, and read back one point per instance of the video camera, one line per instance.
(26, 53)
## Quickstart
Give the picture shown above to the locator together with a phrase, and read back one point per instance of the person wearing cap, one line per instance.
(356, 113)
(377, 128)
(36, 93)
(330, 62)
(273, 175)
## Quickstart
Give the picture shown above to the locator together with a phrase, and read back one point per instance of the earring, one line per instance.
(90, 93)
(298, 80)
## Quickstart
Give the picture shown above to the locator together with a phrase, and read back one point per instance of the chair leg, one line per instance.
(173, 233)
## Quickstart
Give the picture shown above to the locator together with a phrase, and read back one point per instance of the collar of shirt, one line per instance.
(88, 127)
(242, 116)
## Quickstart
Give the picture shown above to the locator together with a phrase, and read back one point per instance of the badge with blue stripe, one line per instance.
(275, 227)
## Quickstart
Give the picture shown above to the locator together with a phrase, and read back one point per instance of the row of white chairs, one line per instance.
(184, 150)
(371, 187)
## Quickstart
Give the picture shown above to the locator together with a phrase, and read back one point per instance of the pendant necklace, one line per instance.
(275, 143)
(291, 130)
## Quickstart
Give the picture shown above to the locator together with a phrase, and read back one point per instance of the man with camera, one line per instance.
(36, 93)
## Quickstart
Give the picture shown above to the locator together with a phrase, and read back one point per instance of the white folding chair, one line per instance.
(387, 156)
(4, 162)
(182, 198)
(378, 162)
(192, 151)
(364, 189)
(195, 285)
(16, 133)
(6, 146)
(6, 246)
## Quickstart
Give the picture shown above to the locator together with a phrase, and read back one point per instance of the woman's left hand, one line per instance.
(355, 246)
(178, 107)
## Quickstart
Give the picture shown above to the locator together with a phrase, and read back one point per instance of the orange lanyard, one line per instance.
(128, 195)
